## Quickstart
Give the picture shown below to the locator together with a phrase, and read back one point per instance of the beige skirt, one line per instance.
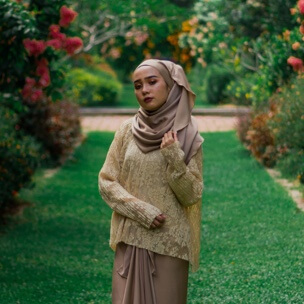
(141, 276)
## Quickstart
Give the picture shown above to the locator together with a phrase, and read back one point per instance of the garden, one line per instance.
(58, 56)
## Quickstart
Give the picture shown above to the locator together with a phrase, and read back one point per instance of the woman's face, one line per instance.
(150, 88)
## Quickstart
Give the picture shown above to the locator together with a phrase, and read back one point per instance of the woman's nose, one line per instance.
(145, 89)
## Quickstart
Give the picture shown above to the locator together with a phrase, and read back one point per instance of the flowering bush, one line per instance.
(288, 129)
(34, 38)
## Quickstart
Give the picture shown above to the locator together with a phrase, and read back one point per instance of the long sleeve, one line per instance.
(184, 180)
(115, 195)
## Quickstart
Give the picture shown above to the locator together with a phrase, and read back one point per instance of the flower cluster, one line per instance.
(297, 63)
(57, 40)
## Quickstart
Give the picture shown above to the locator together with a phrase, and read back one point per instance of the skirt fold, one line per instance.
(141, 276)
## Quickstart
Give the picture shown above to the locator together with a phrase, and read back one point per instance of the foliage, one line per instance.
(19, 157)
(126, 32)
(288, 129)
(59, 126)
(92, 87)
(261, 140)
(275, 135)
(216, 81)
(255, 50)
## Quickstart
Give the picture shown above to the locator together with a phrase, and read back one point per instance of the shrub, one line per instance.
(261, 140)
(19, 157)
(56, 125)
(216, 80)
(92, 87)
(288, 129)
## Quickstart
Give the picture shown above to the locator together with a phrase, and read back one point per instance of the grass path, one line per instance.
(252, 240)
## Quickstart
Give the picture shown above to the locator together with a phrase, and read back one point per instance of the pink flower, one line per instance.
(44, 73)
(296, 63)
(34, 47)
(54, 31)
(301, 6)
(28, 87)
(67, 15)
(72, 44)
(45, 79)
(36, 95)
(54, 43)
(301, 29)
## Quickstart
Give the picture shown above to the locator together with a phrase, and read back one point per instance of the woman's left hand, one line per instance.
(168, 139)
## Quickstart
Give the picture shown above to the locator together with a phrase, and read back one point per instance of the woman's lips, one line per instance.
(148, 99)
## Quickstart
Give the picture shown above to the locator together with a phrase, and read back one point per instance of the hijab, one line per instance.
(149, 127)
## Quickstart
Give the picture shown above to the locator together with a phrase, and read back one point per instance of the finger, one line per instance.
(156, 223)
(160, 219)
(175, 136)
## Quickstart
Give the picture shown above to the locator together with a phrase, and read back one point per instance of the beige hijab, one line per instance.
(149, 127)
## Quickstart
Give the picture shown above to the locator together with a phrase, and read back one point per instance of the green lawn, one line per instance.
(252, 234)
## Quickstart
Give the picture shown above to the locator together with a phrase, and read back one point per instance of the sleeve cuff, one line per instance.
(173, 154)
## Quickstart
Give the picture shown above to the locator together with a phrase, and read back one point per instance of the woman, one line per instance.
(152, 179)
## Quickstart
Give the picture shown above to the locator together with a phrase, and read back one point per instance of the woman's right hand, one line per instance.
(158, 221)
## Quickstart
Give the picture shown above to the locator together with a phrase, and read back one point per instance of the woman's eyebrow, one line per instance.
(152, 76)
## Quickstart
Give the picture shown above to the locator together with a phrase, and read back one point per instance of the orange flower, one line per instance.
(67, 15)
(293, 11)
(286, 35)
(295, 46)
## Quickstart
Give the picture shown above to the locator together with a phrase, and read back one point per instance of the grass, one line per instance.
(252, 234)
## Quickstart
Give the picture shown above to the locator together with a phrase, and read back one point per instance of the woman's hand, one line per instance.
(158, 221)
(168, 139)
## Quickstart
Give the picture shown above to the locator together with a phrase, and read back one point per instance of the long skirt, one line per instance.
(141, 276)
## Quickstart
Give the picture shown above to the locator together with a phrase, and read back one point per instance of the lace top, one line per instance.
(139, 186)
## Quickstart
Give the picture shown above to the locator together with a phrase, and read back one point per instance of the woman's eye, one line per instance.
(137, 87)
(152, 82)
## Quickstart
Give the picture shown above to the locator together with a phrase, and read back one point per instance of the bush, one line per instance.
(261, 140)
(56, 125)
(216, 80)
(19, 157)
(92, 87)
(288, 129)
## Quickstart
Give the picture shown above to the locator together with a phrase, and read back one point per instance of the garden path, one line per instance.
(111, 123)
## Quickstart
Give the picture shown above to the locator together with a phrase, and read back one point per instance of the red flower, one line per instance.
(45, 79)
(54, 31)
(296, 63)
(301, 29)
(28, 87)
(301, 6)
(54, 43)
(44, 73)
(67, 15)
(36, 95)
(34, 47)
(72, 44)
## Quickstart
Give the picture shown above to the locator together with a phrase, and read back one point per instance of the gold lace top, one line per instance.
(139, 186)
